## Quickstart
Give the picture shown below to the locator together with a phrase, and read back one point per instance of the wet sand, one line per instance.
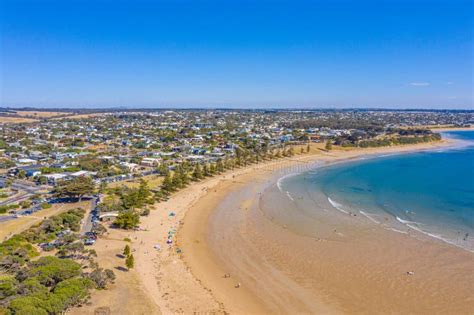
(352, 267)
(220, 230)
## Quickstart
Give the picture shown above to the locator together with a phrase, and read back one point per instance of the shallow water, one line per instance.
(428, 192)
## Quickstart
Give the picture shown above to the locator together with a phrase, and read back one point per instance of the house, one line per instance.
(30, 171)
(195, 158)
(82, 173)
(167, 154)
(286, 138)
(150, 162)
(55, 178)
(217, 154)
(27, 161)
(132, 167)
(198, 151)
(314, 138)
(37, 154)
(58, 165)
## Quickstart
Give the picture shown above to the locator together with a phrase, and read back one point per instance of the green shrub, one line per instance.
(51, 270)
(32, 286)
(16, 250)
(72, 291)
(7, 286)
(28, 305)
(127, 220)
(46, 205)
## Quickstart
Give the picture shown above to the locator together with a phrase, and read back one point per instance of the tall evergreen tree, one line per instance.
(163, 169)
(206, 170)
(126, 250)
(328, 145)
(130, 262)
(167, 184)
(183, 175)
(212, 168)
(197, 174)
(143, 190)
(219, 166)
(177, 182)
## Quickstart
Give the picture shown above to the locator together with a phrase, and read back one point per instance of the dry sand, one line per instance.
(126, 295)
(363, 269)
(365, 273)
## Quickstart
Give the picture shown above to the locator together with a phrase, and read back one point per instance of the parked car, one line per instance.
(89, 241)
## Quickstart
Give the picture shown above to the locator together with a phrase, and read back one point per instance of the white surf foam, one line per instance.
(337, 205)
(368, 216)
(439, 237)
(396, 230)
(289, 196)
(413, 226)
(280, 180)
(405, 221)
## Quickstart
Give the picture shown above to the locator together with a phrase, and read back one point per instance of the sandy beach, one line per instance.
(221, 240)
(363, 269)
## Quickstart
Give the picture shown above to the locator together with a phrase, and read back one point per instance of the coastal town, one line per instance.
(125, 146)
(68, 177)
(236, 157)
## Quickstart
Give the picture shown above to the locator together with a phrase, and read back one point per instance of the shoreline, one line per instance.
(201, 258)
(190, 280)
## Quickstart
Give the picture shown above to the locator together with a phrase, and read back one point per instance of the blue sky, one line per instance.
(397, 54)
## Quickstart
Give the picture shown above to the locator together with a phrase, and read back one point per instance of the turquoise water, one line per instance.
(431, 192)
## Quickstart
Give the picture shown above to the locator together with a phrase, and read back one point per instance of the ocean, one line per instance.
(425, 192)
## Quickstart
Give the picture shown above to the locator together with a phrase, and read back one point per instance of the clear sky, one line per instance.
(398, 54)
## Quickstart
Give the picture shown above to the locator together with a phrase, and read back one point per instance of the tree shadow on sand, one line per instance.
(121, 268)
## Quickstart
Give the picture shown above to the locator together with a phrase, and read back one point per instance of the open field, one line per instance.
(34, 116)
(28, 116)
(40, 114)
(80, 116)
(20, 224)
(15, 120)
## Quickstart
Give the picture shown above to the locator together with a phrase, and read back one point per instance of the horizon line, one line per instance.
(131, 108)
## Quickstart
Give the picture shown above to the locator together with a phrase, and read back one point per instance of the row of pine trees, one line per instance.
(184, 173)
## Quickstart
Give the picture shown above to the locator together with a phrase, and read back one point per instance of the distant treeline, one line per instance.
(389, 141)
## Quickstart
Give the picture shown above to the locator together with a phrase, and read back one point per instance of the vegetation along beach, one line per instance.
(236, 157)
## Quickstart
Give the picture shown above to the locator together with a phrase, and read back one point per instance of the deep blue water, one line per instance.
(428, 191)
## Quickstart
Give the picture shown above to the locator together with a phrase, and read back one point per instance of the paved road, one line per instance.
(87, 226)
(27, 189)
(7, 218)
(17, 198)
(30, 210)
